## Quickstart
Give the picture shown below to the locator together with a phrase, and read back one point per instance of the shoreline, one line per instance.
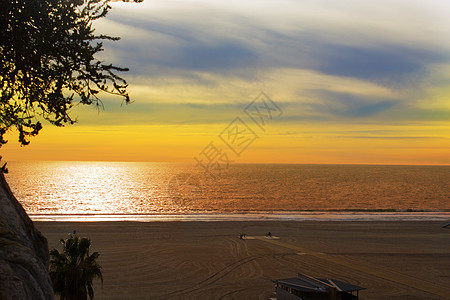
(249, 217)
(207, 260)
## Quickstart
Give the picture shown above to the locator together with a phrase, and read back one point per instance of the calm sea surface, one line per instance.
(114, 189)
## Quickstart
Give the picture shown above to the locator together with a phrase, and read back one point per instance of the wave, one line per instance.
(250, 216)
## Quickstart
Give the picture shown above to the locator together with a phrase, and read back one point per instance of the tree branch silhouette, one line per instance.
(48, 64)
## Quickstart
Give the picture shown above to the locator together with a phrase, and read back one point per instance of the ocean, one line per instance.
(84, 191)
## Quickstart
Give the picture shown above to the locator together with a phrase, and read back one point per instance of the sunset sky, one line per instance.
(354, 82)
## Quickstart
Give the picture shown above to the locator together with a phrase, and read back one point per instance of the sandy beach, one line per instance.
(207, 260)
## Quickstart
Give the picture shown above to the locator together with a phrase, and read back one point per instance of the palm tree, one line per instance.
(73, 270)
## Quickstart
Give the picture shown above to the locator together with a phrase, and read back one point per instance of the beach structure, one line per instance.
(309, 288)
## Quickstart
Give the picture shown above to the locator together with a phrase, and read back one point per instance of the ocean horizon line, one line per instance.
(234, 163)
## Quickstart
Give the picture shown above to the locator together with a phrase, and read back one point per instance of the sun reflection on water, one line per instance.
(94, 187)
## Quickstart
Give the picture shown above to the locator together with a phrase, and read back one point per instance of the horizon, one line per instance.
(234, 163)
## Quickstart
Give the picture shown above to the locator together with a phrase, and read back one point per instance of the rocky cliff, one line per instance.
(24, 252)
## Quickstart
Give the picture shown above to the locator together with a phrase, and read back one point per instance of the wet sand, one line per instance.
(207, 260)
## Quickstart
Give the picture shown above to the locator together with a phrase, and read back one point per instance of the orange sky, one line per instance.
(314, 144)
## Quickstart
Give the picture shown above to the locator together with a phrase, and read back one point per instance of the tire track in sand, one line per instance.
(217, 275)
(211, 279)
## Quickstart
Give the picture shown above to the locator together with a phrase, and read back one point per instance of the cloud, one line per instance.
(395, 137)
(325, 60)
(357, 40)
(159, 113)
(346, 105)
(392, 64)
